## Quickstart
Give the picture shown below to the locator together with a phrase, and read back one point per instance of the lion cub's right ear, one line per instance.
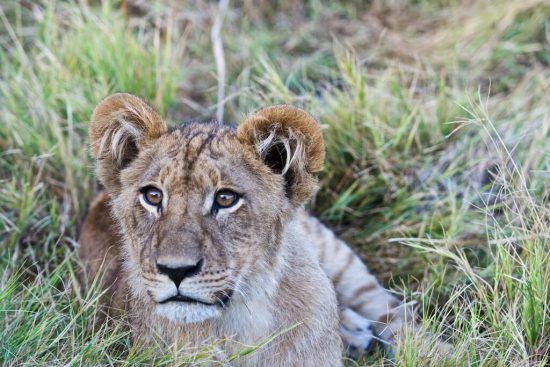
(121, 125)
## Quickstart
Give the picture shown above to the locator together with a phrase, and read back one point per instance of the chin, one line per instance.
(187, 313)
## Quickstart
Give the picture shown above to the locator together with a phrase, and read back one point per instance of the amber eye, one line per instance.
(226, 199)
(152, 195)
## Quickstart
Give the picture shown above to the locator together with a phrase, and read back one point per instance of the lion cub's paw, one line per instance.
(356, 332)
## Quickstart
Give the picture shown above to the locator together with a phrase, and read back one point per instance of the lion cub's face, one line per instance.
(193, 206)
(202, 208)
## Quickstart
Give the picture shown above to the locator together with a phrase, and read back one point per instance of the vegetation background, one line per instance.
(437, 124)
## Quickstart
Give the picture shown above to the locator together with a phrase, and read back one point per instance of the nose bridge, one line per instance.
(181, 243)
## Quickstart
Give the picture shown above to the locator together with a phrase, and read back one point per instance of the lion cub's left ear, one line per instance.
(290, 142)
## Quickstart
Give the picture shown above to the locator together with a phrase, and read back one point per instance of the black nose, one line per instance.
(179, 273)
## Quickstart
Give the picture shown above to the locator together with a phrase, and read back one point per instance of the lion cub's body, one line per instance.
(190, 271)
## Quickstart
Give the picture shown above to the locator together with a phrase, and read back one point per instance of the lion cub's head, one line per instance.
(203, 207)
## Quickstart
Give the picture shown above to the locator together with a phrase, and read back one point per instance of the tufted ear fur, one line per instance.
(290, 142)
(121, 125)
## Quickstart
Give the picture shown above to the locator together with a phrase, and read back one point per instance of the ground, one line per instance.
(437, 125)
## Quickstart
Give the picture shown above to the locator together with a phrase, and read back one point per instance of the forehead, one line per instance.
(195, 156)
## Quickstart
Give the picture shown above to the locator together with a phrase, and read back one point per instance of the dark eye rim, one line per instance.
(217, 206)
(143, 192)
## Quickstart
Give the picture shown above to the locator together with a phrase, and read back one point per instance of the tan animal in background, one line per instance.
(202, 235)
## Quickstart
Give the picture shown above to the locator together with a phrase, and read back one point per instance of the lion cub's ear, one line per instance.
(290, 142)
(121, 125)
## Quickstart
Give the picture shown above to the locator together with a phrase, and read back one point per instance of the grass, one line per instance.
(436, 123)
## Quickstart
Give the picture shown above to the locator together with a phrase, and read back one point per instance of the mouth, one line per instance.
(222, 302)
(181, 298)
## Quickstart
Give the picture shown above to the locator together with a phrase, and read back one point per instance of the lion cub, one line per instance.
(201, 236)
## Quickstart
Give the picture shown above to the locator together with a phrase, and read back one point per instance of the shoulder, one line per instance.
(305, 287)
